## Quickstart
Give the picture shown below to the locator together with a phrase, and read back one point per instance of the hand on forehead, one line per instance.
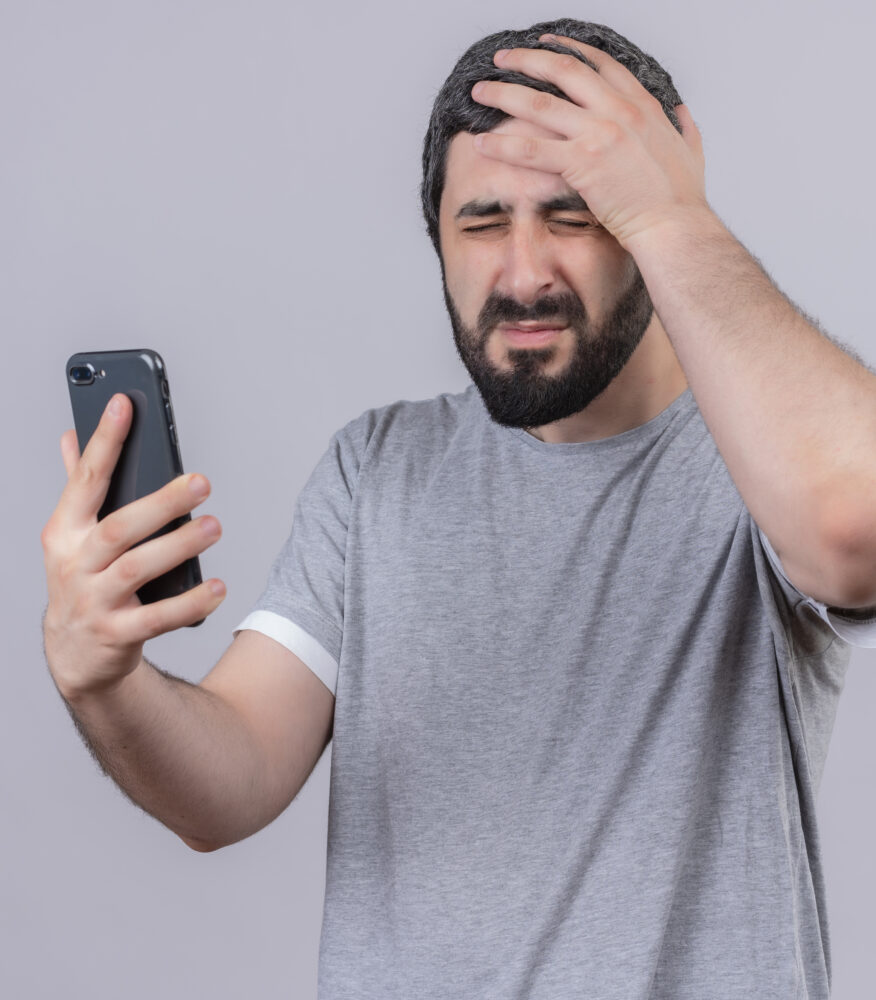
(612, 142)
(600, 84)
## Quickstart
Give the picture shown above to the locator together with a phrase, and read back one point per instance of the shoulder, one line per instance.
(407, 426)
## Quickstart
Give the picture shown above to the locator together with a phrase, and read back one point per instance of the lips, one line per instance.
(530, 334)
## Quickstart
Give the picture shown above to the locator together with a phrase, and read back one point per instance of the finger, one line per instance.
(153, 558)
(130, 524)
(689, 131)
(579, 82)
(549, 155)
(609, 69)
(530, 105)
(88, 484)
(147, 621)
(70, 451)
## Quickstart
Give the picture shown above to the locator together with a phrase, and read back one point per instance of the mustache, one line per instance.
(503, 309)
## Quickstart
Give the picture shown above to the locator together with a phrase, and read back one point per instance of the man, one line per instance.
(578, 632)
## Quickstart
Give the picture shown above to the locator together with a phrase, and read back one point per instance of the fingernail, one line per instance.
(198, 485)
(500, 54)
(217, 587)
(546, 38)
(210, 526)
(115, 406)
(477, 89)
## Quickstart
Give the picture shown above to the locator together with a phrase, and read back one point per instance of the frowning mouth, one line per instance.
(535, 333)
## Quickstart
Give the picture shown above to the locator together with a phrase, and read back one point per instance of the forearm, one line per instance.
(179, 751)
(793, 416)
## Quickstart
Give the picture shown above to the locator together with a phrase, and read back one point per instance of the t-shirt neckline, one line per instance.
(650, 429)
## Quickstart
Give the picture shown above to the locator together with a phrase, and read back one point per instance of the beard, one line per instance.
(524, 396)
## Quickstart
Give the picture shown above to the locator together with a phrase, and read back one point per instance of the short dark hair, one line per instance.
(455, 110)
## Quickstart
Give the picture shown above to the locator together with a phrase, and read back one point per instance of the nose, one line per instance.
(527, 272)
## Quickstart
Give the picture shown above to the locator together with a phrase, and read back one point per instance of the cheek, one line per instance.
(604, 285)
(468, 282)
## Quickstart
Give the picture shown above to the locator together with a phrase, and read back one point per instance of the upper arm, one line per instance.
(838, 580)
(856, 625)
(286, 707)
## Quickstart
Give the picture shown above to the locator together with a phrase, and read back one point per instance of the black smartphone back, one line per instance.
(150, 457)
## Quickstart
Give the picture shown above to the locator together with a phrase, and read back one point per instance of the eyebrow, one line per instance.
(477, 208)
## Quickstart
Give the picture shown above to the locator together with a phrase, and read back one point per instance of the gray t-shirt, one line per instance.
(580, 716)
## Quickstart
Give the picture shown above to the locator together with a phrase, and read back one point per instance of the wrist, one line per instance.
(80, 693)
(682, 227)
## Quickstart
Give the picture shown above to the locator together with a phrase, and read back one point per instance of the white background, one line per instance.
(235, 185)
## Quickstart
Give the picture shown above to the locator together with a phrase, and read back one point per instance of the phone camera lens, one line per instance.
(82, 374)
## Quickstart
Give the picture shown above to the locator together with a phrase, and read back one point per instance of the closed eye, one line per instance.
(483, 228)
(576, 223)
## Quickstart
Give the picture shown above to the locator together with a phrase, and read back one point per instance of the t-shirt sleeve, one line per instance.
(855, 626)
(302, 605)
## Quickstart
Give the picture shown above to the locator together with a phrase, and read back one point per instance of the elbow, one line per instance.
(202, 846)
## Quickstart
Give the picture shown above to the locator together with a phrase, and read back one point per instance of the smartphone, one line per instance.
(150, 456)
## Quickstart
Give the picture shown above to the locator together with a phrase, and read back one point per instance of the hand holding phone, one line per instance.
(98, 559)
(150, 457)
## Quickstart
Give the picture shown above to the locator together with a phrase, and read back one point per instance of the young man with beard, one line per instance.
(578, 632)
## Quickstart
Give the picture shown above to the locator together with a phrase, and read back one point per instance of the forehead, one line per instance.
(470, 175)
